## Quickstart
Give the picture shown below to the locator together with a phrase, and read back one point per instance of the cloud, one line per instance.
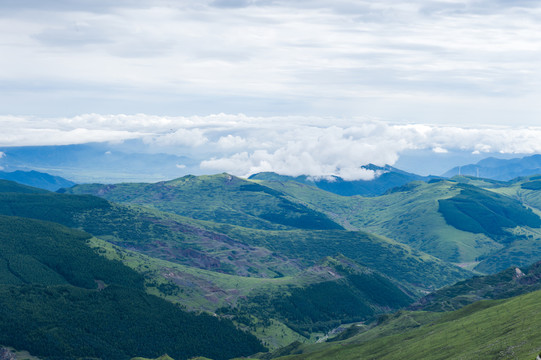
(180, 137)
(231, 142)
(293, 145)
(437, 60)
(440, 150)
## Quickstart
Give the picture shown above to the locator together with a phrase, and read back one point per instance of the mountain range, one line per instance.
(387, 177)
(500, 169)
(96, 162)
(134, 161)
(37, 179)
(272, 266)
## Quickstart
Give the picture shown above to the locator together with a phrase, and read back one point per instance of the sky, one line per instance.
(318, 86)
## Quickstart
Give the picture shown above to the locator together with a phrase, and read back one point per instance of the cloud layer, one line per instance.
(244, 145)
(422, 61)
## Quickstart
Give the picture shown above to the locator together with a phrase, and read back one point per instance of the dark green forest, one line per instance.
(481, 211)
(61, 300)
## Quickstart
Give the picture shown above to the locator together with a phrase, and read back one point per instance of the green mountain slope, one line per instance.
(525, 189)
(479, 211)
(308, 244)
(60, 299)
(150, 232)
(456, 222)
(35, 252)
(387, 178)
(498, 329)
(249, 301)
(394, 259)
(219, 198)
(11, 186)
(524, 246)
(505, 284)
(37, 179)
(172, 238)
(354, 293)
(206, 266)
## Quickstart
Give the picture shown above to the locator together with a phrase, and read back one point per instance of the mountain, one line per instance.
(500, 169)
(284, 260)
(451, 220)
(490, 329)
(503, 285)
(37, 179)
(219, 198)
(387, 177)
(237, 272)
(354, 293)
(60, 299)
(148, 231)
(106, 162)
(297, 230)
(7, 186)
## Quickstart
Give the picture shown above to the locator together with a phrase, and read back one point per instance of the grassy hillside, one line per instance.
(408, 214)
(505, 284)
(354, 293)
(11, 186)
(501, 329)
(227, 248)
(386, 179)
(37, 179)
(149, 232)
(479, 211)
(524, 247)
(392, 258)
(453, 221)
(218, 198)
(270, 308)
(206, 266)
(525, 189)
(35, 252)
(60, 299)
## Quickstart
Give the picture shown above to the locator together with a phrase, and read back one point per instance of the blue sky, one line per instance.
(447, 66)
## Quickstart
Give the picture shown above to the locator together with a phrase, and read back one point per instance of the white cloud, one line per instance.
(180, 137)
(244, 145)
(440, 60)
(231, 142)
(440, 150)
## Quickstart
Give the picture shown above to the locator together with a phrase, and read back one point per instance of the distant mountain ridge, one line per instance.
(305, 293)
(97, 161)
(500, 169)
(37, 179)
(387, 177)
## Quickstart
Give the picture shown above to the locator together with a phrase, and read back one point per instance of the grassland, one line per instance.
(209, 266)
(219, 198)
(263, 305)
(414, 215)
(484, 330)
